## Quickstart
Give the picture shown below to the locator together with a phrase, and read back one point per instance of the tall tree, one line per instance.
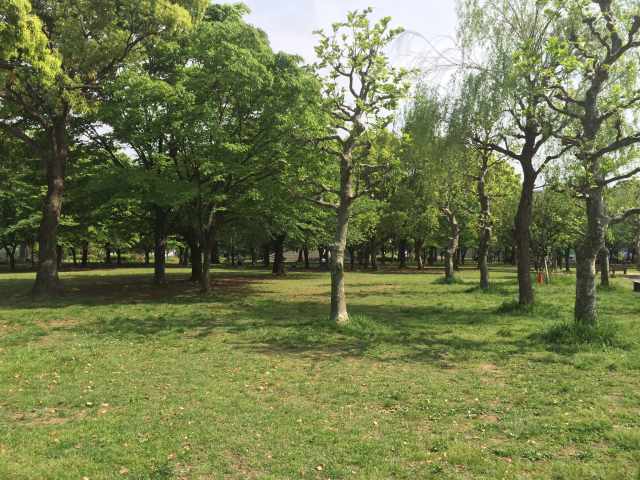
(511, 35)
(361, 91)
(594, 85)
(55, 56)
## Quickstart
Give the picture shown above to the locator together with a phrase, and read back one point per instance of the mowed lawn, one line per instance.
(119, 379)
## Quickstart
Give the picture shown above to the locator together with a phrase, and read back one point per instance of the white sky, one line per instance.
(290, 25)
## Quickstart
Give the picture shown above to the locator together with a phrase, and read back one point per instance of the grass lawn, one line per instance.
(119, 379)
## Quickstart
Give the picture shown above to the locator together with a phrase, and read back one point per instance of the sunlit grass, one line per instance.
(119, 379)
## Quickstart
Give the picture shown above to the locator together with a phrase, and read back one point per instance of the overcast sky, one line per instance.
(290, 24)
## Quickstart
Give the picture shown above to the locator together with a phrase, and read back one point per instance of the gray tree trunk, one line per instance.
(47, 280)
(452, 246)
(586, 254)
(419, 247)
(339, 312)
(485, 225)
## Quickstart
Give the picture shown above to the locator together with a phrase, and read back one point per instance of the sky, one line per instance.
(431, 25)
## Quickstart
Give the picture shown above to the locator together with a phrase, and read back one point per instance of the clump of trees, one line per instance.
(131, 129)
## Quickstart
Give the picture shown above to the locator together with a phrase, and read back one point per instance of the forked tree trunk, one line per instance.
(523, 236)
(339, 312)
(47, 280)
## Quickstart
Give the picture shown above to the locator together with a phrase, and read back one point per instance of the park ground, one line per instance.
(119, 379)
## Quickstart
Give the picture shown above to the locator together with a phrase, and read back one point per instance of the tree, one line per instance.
(249, 105)
(512, 35)
(438, 162)
(361, 91)
(56, 55)
(19, 197)
(593, 84)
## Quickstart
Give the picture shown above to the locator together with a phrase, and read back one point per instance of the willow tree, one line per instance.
(55, 56)
(594, 85)
(511, 36)
(438, 158)
(361, 91)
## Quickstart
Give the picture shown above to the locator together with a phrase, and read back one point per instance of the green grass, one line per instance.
(119, 379)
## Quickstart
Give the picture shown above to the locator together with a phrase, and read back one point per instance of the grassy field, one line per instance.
(121, 380)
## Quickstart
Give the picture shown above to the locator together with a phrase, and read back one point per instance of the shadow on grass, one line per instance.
(414, 333)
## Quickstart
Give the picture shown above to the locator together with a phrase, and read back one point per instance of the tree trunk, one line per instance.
(85, 254)
(74, 256)
(586, 254)
(419, 244)
(402, 253)
(567, 260)
(59, 256)
(47, 280)
(373, 251)
(107, 258)
(638, 251)
(205, 285)
(300, 258)
(11, 255)
(160, 245)
(196, 261)
(278, 262)
(604, 267)
(483, 261)
(266, 254)
(119, 256)
(485, 225)
(352, 258)
(452, 246)
(215, 253)
(339, 312)
(523, 236)
(306, 256)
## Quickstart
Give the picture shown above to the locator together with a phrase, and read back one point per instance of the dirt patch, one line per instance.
(489, 418)
(47, 416)
(239, 464)
(488, 367)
